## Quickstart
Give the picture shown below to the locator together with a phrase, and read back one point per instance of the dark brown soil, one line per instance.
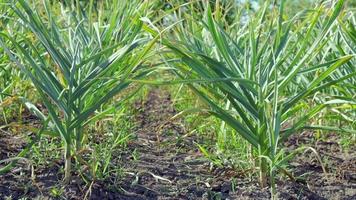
(168, 165)
(163, 162)
(339, 181)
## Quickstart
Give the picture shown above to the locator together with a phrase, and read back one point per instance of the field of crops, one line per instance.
(177, 99)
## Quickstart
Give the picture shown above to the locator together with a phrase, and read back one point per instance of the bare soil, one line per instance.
(163, 162)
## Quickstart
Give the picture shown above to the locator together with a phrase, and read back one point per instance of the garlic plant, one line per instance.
(256, 67)
(79, 62)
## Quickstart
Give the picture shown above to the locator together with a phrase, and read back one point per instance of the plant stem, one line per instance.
(67, 164)
(263, 172)
(78, 142)
(273, 184)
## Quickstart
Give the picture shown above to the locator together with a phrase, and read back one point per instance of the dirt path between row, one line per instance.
(168, 163)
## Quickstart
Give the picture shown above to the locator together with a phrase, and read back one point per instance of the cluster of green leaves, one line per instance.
(79, 64)
(265, 70)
